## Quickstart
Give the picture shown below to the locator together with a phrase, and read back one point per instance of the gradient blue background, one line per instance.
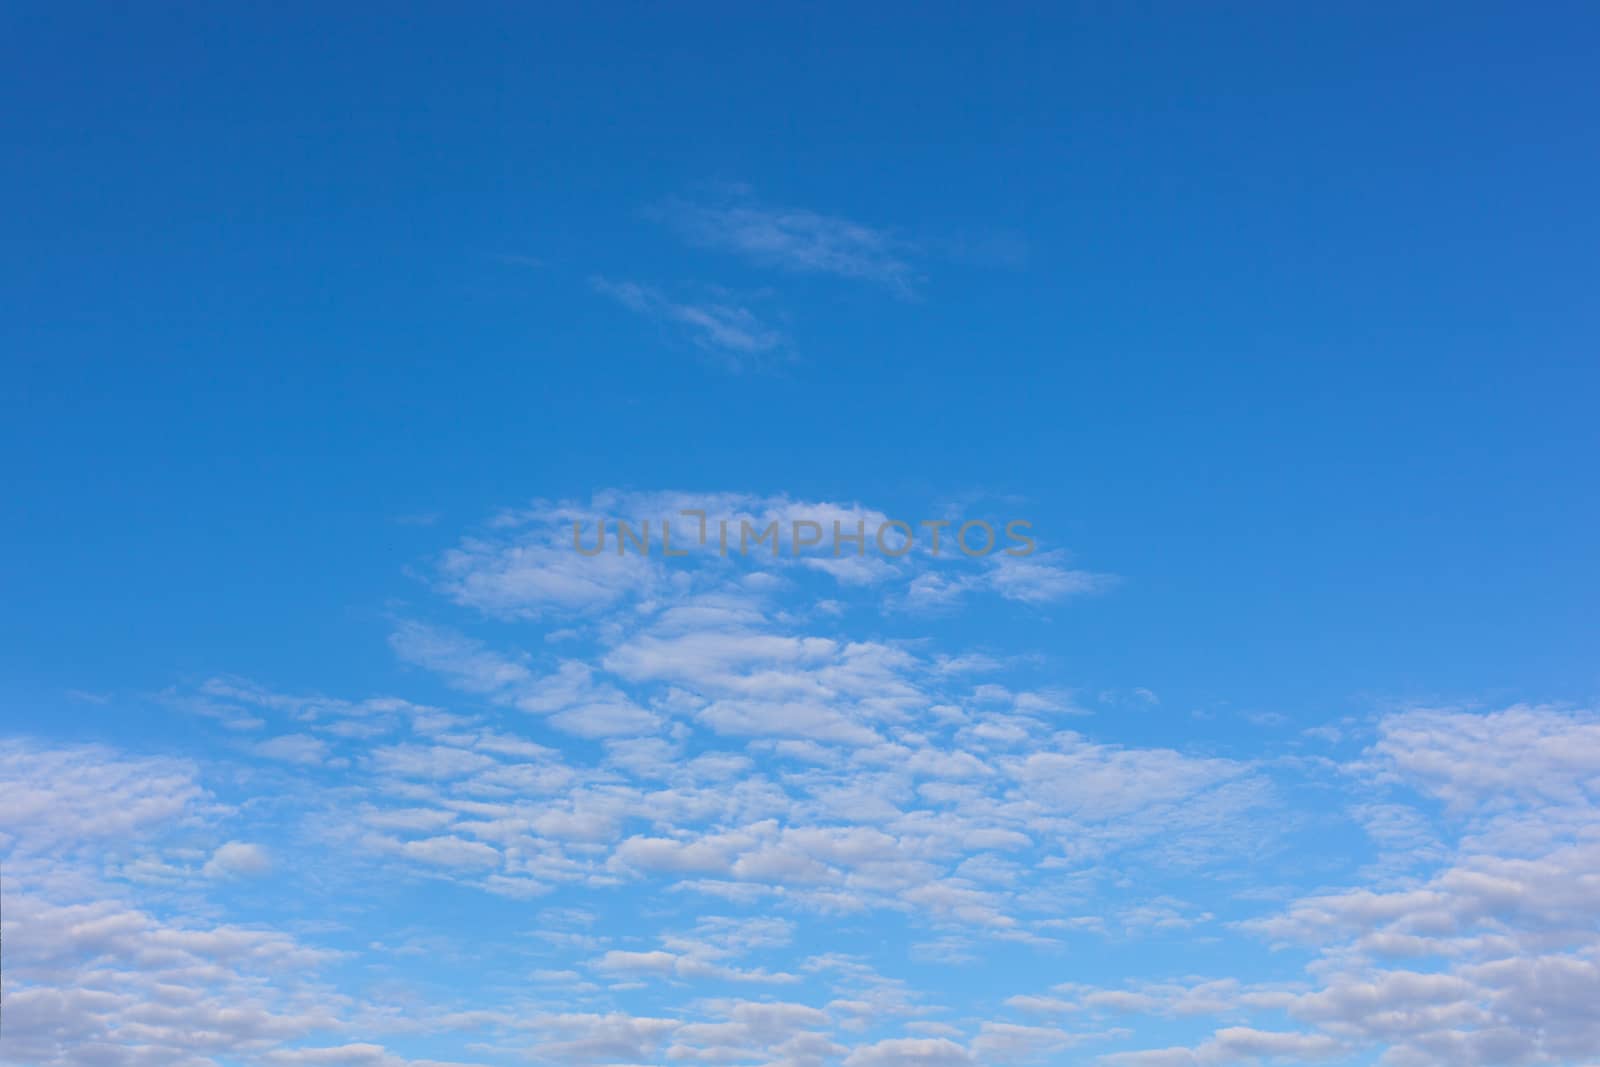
(1286, 314)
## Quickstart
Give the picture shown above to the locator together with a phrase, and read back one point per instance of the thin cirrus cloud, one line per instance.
(728, 330)
(794, 239)
(791, 240)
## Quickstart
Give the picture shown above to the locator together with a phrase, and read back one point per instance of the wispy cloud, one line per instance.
(726, 329)
(794, 239)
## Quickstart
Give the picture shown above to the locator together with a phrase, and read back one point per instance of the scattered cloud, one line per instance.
(793, 239)
(711, 824)
(237, 859)
(720, 326)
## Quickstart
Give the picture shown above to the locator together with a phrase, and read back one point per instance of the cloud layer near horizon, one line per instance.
(709, 811)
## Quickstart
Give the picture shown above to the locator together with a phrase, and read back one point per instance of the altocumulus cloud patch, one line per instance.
(636, 810)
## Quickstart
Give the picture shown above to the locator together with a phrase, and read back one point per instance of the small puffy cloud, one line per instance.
(302, 749)
(237, 859)
(911, 1052)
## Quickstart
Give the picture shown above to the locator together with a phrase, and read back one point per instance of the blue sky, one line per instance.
(319, 331)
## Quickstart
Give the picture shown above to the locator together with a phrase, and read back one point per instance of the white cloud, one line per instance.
(100, 983)
(795, 239)
(238, 859)
(699, 738)
(84, 797)
(731, 331)
(911, 1052)
(303, 749)
(613, 1038)
(352, 1055)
